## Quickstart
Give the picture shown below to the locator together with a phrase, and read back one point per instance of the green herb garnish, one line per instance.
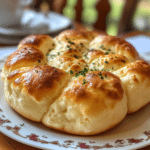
(71, 72)
(84, 82)
(123, 61)
(106, 53)
(101, 76)
(75, 56)
(39, 60)
(106, 62)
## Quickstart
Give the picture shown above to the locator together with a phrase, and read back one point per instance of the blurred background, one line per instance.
(120, 13)
(141, 17)
(115, 17)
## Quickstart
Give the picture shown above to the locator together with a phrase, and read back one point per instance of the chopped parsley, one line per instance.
(106, 53)
(71, 42)
(106, 62)
(84, 82)
(91, 49)
(51, 49)
(68, 46)
(99, 73)
(75, 56)
(85, 55)
(71, 72)
(96, 70)
(52, 56)
(81, 44)
(39, 60)
(101, 46)
(101, 76)
(76, 74)
(123, 61)
(82, 72)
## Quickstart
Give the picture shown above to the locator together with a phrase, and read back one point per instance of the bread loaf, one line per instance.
(79, 82)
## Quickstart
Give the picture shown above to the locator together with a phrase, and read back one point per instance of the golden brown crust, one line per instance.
(118, 45)
(34, 41)
(140, 66)
(76, 34)
(136, 78)
(73, 53)
(24, 57)
(39, 81)
(93, 90)
(114, 59)
(91, 55)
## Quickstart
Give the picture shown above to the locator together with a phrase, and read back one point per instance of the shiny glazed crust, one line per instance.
(79, 82)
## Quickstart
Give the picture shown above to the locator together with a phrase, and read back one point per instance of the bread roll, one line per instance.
(88, 105)
(136, 79)
(79, 82)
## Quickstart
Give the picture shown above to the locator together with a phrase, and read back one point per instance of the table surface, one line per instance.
(7, 143)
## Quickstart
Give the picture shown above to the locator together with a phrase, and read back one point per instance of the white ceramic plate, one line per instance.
(55, 22)
(132, 133)
(37, 24)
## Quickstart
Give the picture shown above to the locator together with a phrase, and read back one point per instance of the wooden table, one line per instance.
(7, 143)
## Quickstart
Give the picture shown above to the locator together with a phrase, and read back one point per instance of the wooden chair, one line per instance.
(102, 7)
(126, 20)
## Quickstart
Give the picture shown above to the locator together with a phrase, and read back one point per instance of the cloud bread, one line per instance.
(78, 82)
